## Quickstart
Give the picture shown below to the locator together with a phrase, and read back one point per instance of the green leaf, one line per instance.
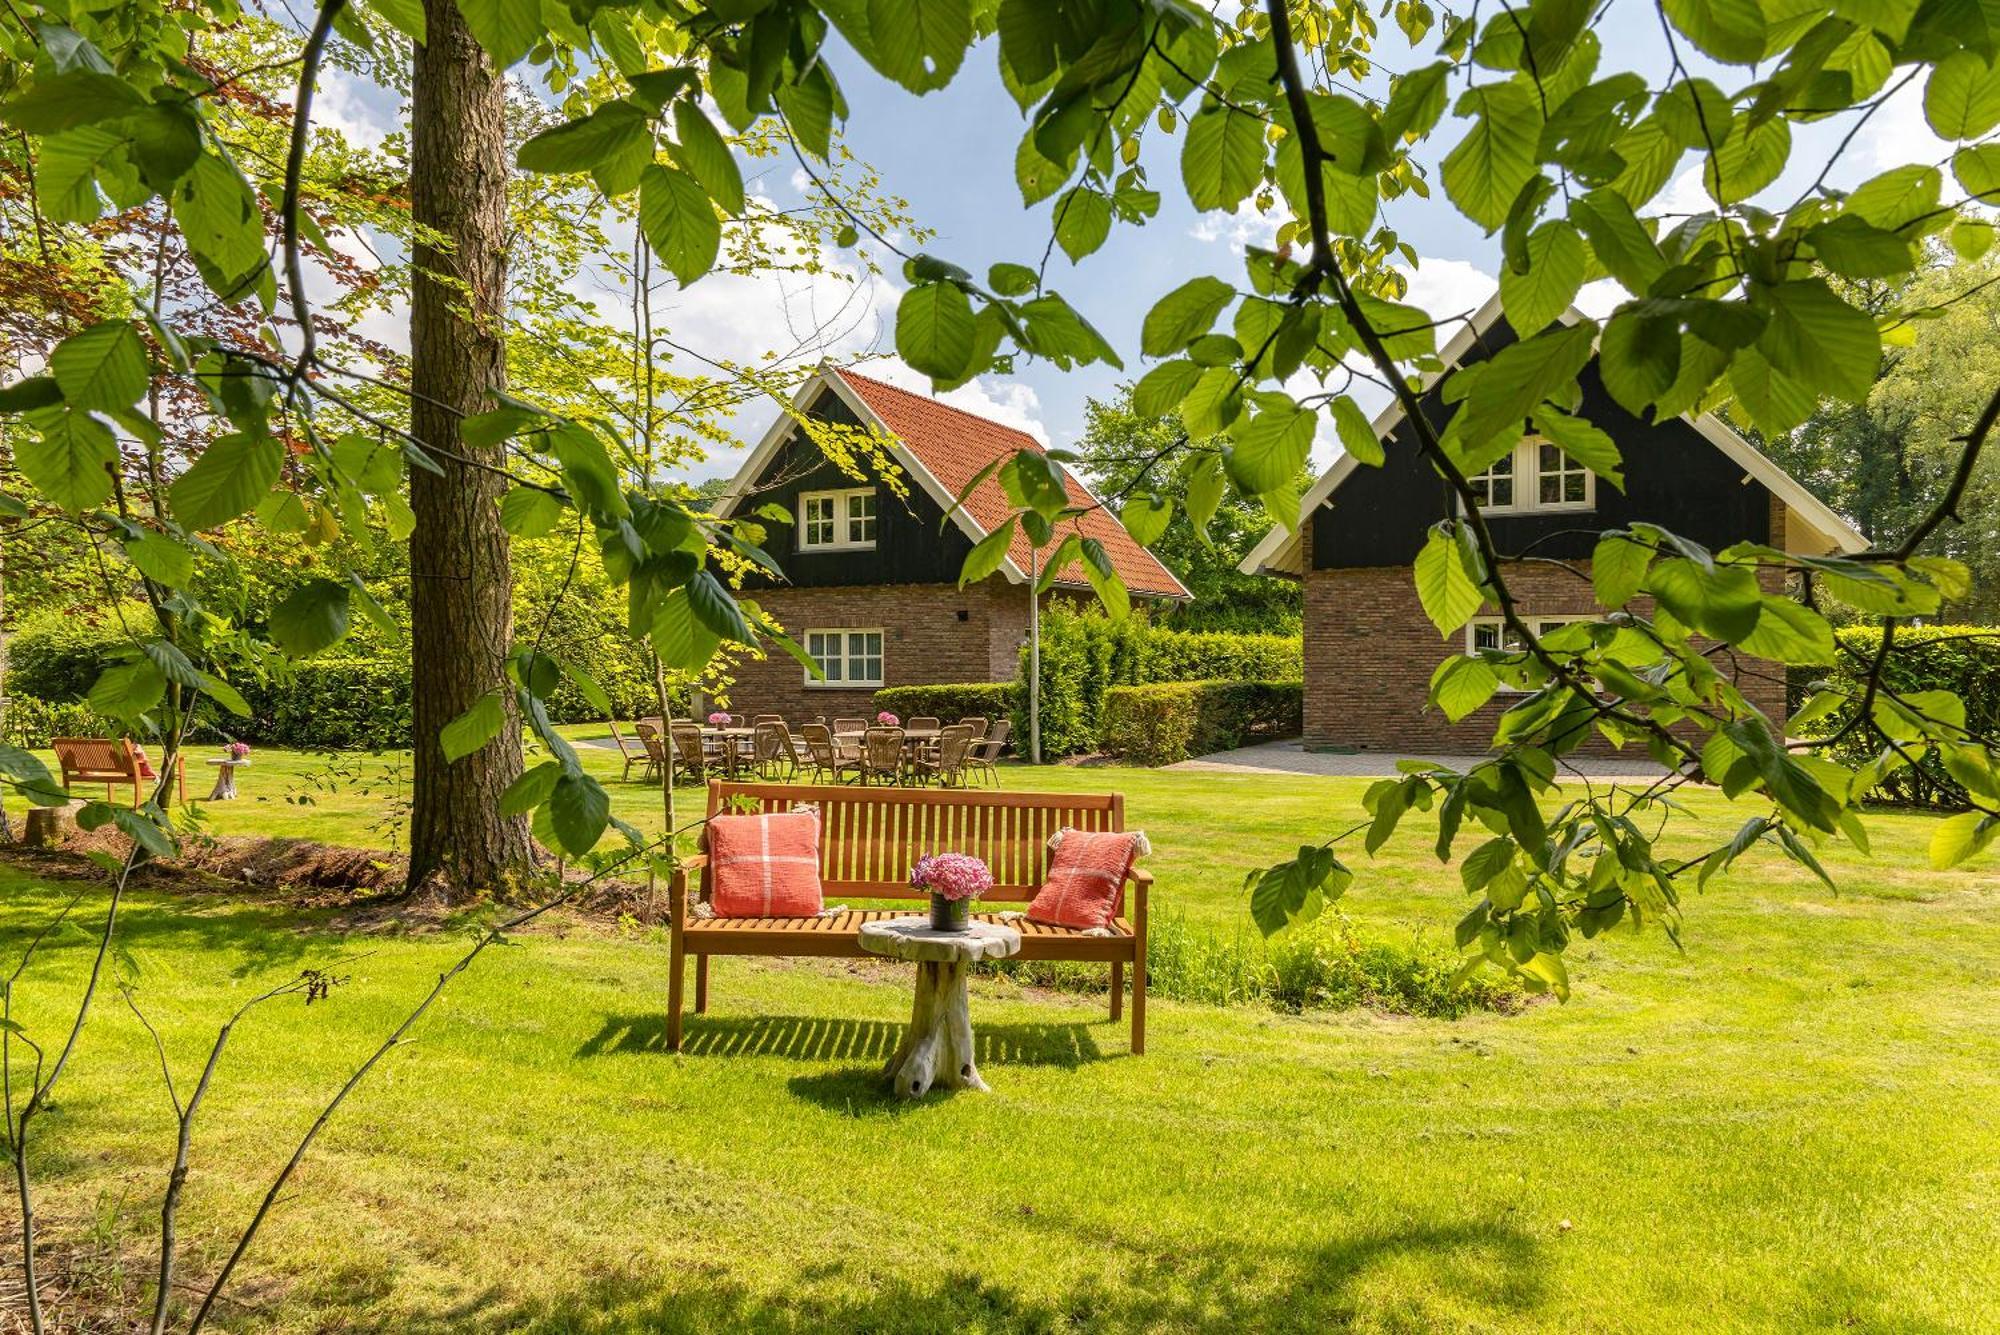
(608, 133)
(1790, 632)
(1855, 249)
(1898, 196)
(918, 43)
(1012, 280)
(679, 222)
(715, 607)
(530, 790)
(1357, 433)
(1971, 237)
(1732, 31)
(1962, 99)
(229, 478)
(1820, 340)
(1082, 221)
(1640, 358)
(579, 809)
(1513, 382)
(1296, 891)
(68, 459)
(102, 368)
(1183, 315)
(405, 16)
(1977, 169)
(1271, 449)
(1556, 264)
(1957, 838)
(37, 391)
(706, 155)
(65, 101)
(1160, 391)
(1449, 594)
(1496, 158)
(1774, 402)
(529, 512)
(312, 618)
(683, 642)
(474, 728)
(1205, 486)
(141, 830)
(987, 554)
(934, 330)
(508, 29)
(128, 688)
(1586, 444)
(1146, 517)
(1618, 239)
(1462, 685)
(1747, 160)
(1416, 101)
(161, 559)
(1222, 158)
(1618, 569)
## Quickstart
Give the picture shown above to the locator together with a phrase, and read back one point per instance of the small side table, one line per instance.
(225, 779)
(937, 1051)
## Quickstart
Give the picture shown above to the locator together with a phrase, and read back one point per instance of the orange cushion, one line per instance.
(765, 866)
(1086, 885)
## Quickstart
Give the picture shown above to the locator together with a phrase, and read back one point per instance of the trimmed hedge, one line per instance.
(30, 723)
(953, 701)
(1162, 723)
(1962, 659)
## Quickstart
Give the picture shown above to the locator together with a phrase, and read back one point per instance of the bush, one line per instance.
(1177, 655)
(1962, 659)
(55, 658)
(30, 723)
(331, 704)
(1164, 722)
(986, 699)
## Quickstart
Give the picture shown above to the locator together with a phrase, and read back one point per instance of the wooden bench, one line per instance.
(102, 760)
(868, 839)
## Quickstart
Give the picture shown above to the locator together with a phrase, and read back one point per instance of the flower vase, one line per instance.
(950, 915)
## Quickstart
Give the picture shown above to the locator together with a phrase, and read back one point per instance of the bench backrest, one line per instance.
(95, 758)
(870, 836)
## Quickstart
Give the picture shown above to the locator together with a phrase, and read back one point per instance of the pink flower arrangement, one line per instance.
(718, 719)
(887, 720)
(955, 876)
(237, 750)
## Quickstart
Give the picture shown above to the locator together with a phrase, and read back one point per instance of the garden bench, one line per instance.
(868, 839)
(107, 761)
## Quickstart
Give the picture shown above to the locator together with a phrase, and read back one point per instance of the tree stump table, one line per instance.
(937, 1050)
(225, 779)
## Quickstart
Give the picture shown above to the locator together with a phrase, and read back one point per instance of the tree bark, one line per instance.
(461, 590)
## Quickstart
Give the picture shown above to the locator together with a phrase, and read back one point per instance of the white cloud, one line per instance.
(1245, 227)
(1448, 288)
(363, 112)
(1893, 136)
(1684, 194)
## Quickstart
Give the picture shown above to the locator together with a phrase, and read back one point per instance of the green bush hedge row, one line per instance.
(1962, 659)
(29, 723)
(951, 702)
(1164, 722)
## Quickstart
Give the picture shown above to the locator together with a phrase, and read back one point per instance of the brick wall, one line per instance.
(1370, 652)
(924, 642)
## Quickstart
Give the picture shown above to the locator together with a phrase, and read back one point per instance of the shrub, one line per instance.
(332, 704)
(1175, 655)
(30, 723)
(986, 699)
(55, 657)
(1164, 722)
(1962, 659)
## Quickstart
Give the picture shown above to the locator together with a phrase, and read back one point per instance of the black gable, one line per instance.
(1674, 476)
(908, 548)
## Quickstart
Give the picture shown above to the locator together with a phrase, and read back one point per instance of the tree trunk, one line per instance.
(461, 589)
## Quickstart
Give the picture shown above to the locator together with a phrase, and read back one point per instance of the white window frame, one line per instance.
(851, 532)
(1542, 626)
(845, 656)
(1527, 479)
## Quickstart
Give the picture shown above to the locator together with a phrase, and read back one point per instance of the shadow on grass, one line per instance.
(1416, 1278)
(264, 937)
(827, 1038)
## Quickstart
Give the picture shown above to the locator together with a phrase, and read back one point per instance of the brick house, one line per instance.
(1369, 648)
(871, 578)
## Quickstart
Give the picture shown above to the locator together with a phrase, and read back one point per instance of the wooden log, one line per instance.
(47, 827)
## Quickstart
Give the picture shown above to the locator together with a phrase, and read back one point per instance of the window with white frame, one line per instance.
(1535, 475)
(837, 519)
(1490, 634)
(846, 657)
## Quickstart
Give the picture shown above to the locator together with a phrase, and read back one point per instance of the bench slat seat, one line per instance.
(869, 837)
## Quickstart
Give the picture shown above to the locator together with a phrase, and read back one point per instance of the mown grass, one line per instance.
(1787, 1127)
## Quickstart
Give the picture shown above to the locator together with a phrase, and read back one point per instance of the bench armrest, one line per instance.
(677, 890)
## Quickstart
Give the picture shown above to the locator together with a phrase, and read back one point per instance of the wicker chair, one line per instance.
(692, 760)
(987, 751)
(843, 727)
(828, 760)
(976, 722)
(947, 764)
(925, 723)
(773, 752)
(882, 755)
(637, 753)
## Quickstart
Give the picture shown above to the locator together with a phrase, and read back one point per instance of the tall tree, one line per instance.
(460, 586)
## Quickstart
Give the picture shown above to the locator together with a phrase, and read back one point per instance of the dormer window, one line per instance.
(837, 520)
(1535, 476)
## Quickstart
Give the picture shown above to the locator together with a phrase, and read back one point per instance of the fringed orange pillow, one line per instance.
(765, 866)
(1086, 885)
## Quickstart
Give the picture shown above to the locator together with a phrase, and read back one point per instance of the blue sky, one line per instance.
(951, 155)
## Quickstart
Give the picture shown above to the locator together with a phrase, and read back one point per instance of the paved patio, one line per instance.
(1291, 757)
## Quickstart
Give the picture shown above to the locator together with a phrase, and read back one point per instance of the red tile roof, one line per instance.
(954, 445)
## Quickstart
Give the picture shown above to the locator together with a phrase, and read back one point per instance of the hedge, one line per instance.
(30, 723)
(1161, 723)
(1085, 654)
(1962, 659)
(953, 701)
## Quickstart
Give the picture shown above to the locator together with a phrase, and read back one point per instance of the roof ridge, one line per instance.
(933, 401)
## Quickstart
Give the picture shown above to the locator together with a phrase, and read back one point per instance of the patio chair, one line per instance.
(843, 727)
(976, 722)
(947, 763)
(634, 753)
(692, 759)
(759, 720)
(882, 754)
(925, 723)
(988, 749)
(772, 752)
(828, 759)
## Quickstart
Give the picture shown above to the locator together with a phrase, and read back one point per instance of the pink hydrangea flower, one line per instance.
(237, 750)
(887, 720)
(953, 875)
(718, 719)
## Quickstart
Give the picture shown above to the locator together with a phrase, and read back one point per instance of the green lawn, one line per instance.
(1790, 1126)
